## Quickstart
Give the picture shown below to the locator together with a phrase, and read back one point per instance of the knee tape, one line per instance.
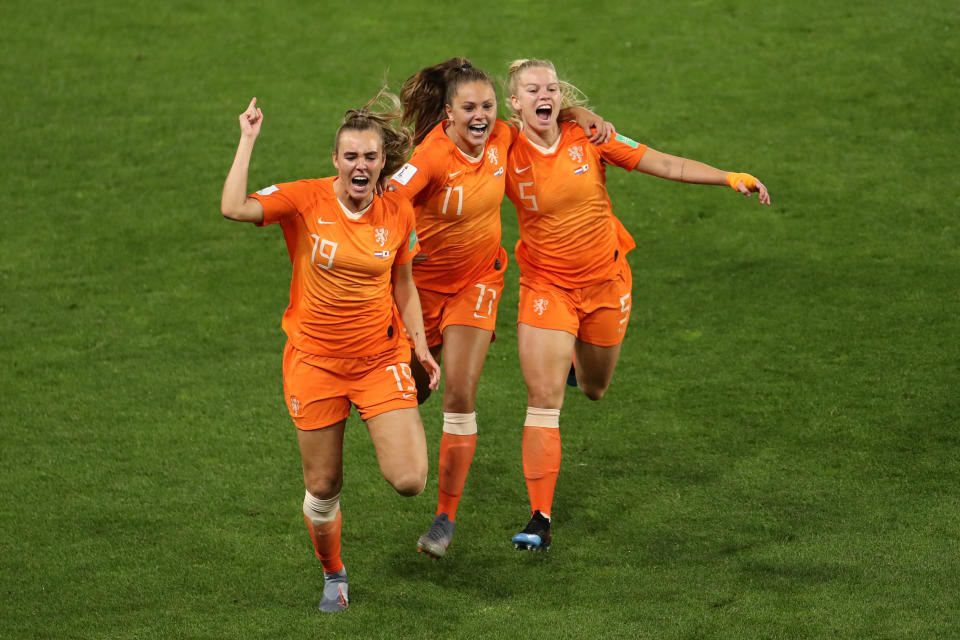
(460, 424)
(320, 510)
(536, 417)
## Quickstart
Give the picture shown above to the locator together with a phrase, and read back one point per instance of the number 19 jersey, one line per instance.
(341, 293)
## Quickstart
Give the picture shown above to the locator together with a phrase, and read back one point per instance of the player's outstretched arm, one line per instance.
(234, 203)
(670, 167)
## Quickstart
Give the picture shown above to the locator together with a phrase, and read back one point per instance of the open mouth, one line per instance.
(544, 112)
(359, 181)
(478, 129)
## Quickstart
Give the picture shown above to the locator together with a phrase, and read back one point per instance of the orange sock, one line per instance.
(456, 454)
(326, 542)
(541, 465)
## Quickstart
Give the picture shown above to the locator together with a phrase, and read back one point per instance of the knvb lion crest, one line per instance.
(380, 235)
(540, 305)
(492, 155)
(576, 153)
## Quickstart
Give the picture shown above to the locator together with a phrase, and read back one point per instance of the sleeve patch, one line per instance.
(413, 240)
(627, 141)
(267, 190)
(406, 172)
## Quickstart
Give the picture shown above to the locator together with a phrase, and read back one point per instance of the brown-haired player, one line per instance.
(575, 283)
(352, 286)
(456, 179)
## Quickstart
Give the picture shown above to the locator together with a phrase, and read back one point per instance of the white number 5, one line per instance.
(532, 198)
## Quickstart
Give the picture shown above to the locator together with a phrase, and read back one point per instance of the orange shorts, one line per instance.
(597, 314)
(473, 305)
(319, 390)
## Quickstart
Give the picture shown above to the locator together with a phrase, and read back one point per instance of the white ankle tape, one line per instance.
(460, 424)
(536, 417)
(320, 510)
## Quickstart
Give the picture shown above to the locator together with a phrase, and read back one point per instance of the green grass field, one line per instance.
(778, 456)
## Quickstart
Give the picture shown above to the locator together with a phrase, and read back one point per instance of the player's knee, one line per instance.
(594, 384)
(458, 400)
(409, 479)
(544, 395)
(323, 485)
(409, 483)
(593, 392)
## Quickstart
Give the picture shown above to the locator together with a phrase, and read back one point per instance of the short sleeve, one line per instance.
(280, 201)
(415, 175)
(622, 152)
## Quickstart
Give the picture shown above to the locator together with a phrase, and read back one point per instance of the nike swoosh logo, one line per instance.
(456, 173)
(322, 221)
(522, 170)
(408, 395)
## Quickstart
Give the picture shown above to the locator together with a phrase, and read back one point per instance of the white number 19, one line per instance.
(322, 247)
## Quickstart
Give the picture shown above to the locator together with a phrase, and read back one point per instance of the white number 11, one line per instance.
(446, 199)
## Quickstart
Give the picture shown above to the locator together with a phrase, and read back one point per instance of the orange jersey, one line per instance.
(568, 233)
(341, 294)
(457, 203)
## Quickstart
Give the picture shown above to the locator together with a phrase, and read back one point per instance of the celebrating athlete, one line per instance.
(456, 179)
(352, 285)
(575, 283)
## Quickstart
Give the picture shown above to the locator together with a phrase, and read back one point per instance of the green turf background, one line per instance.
(776, 458)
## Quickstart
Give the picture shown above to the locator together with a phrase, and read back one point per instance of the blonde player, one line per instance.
(456, 179)
(575, 282)
(351, 253)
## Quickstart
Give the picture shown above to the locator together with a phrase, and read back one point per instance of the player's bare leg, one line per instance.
(321, 452)
(545, 356)
(401, 448)
(595, 366)
(464, 351)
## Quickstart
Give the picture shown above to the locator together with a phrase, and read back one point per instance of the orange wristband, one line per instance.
(748, 181)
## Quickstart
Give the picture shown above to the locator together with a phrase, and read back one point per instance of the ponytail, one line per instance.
(426, 93)
(382, 113)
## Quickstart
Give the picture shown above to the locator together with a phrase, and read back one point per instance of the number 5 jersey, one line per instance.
(568, 234)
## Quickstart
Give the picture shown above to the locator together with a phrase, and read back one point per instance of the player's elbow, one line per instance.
(230, 212)
(241, 213)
